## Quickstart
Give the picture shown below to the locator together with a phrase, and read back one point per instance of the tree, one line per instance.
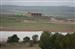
(13, 39)
(56, 40)
(45, 40)
(0, 45)
(35, 38)
(73, 40)
(26, 39)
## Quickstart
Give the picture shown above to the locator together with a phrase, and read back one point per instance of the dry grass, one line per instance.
(18, 46)
(21, 48)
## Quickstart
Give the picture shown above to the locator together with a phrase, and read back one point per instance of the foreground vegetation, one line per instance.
(47, 40)
(57, 41)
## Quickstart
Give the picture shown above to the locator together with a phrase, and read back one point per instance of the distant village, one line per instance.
(52, 19)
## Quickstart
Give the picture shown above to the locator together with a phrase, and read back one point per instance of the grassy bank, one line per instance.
(13, 22)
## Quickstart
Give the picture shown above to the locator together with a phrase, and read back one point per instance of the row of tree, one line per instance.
(49, 40)
(57, 41)
(15, 39)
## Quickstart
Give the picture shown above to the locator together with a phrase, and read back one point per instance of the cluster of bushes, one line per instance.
(57, 41)
(15, 39)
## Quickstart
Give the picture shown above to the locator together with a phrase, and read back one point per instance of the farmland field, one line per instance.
(22, 23)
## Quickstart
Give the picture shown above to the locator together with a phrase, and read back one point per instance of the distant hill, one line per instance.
(56, 11)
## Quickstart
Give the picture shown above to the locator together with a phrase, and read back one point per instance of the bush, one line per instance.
(44, 40)
(26, 39)
(13, 39)
(35, 38)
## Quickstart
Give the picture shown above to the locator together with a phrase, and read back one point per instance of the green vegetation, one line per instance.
(48, 40)
(13, 39)
(35, 38)
(21, 22)
(26, 39)
(57, 41)
(44, 40)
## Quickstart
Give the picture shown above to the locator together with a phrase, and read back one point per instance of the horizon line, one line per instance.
(39, 5)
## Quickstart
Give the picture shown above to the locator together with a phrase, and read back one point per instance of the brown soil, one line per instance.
(51, 30)
(22, 48)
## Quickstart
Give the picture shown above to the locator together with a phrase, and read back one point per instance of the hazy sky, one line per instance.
(38, 2)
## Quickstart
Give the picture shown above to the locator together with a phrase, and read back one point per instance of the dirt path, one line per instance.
(51, 29)
(22, 48)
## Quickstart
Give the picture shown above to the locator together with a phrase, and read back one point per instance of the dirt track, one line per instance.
(51, 30)
(22, 48)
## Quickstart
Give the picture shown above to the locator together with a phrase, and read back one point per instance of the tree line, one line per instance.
(48, 40)
(57, 41)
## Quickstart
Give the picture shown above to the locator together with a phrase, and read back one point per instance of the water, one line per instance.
(21, 34)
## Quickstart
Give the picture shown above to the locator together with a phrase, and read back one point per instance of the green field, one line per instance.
(18, 22)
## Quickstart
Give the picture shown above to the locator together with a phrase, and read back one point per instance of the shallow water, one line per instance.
(21, 34)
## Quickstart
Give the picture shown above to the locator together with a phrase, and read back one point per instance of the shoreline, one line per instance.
(50, 30)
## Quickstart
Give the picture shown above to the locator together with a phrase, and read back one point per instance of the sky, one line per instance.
(38, 2)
